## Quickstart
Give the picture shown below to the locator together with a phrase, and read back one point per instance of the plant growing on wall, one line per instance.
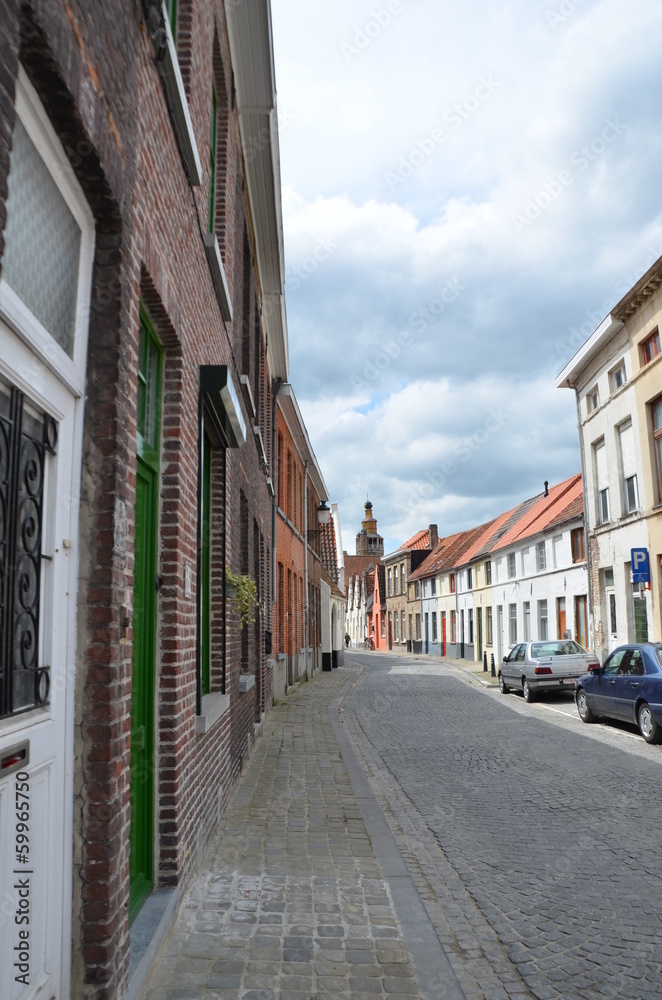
(242, 590)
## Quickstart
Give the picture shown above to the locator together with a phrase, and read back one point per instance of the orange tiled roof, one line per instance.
(544, 511)
(328, 551)
(421, 540)
(447, 552)
(483, 538)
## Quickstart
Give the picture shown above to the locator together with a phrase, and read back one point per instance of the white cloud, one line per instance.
(464, 200)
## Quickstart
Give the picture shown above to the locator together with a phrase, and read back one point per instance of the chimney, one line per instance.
(546, 488)
(434, 535)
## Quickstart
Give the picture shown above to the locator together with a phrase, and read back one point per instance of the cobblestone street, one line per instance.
(533, 839)
(291, 902)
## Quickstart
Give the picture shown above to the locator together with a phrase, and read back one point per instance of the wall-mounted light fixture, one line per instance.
(323, 512)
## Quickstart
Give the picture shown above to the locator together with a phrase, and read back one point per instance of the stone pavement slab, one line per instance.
(292, 901)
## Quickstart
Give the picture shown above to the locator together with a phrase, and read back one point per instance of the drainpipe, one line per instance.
(306, 609)
(277, 385)
(582, 456)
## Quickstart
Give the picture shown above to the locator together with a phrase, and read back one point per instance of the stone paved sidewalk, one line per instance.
(290, 902)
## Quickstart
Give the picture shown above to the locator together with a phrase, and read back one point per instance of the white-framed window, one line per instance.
(402, 577)
(488, 571)
(49, 245)
(601, 472)
(541, 557)
(527, 620)
(489, 627)
(603, 505)
(628, 462)
(631, 495)
(418, 626)
(512, 565)
(471, 626)
(543, 631)
(433, 586)
(513, 624)
(592, 399)
(557, 550)
(434, 626)
(390, 583)
(395, 628)
(402, 625)
(617, 376)
(470, 578)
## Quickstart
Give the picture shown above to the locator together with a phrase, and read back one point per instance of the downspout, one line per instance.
(306, 609)
(582, 458)
(277, 385)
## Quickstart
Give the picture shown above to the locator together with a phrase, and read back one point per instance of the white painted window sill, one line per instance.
(219, 278)
(213, 707)
(173, 86)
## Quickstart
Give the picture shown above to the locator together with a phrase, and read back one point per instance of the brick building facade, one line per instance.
(142, 331)
(300, 490)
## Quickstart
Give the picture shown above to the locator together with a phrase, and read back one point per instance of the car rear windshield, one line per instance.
(565, 648)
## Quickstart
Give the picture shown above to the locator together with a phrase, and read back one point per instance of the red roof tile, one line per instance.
(545, 511)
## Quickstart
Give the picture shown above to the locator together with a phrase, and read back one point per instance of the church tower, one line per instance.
(368, 542)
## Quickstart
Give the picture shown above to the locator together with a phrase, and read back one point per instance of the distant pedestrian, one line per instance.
(347, 639)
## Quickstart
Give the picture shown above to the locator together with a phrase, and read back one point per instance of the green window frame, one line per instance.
(204, 610)
(172, 6)
(150, 367)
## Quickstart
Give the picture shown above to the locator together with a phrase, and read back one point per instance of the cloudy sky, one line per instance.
(467, 190)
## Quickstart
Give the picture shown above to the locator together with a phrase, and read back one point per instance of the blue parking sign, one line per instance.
(641, 571)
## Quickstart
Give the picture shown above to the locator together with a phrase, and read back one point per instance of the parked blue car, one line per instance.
(627, 687)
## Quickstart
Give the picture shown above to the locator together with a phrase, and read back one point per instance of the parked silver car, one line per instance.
(548, 665)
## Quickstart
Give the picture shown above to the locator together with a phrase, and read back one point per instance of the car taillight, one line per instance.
(543, 670)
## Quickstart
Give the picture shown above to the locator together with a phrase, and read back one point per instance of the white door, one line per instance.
(499, 633)
(610, 596)
(36, 687)
(44, 313)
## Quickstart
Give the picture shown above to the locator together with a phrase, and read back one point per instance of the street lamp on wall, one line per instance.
(323, 512)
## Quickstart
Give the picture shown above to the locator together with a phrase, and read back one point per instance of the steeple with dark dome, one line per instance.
(368, 541)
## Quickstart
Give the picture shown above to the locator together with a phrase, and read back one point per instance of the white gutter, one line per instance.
(251, 48)
(297, 428)
(609, 326)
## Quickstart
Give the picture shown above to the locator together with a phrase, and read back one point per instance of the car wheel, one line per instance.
(526, 691)
(503, 687)
(583, 707)
(648, 726)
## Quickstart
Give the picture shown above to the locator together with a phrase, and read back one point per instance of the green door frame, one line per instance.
(144, 616)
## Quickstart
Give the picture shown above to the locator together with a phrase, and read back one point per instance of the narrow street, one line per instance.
(533, 839)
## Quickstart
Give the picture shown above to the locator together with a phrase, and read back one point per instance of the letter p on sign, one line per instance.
(640, 566)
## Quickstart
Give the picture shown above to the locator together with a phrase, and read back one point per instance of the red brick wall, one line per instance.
(93, 67)
(289, 612)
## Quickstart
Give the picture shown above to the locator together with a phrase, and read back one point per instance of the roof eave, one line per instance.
(609, 326)
(251, 49)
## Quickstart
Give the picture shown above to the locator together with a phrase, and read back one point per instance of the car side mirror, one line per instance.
(505, 659)
(594, 669)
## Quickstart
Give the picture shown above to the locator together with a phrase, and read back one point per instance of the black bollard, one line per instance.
(484, 663)
(492, 663)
